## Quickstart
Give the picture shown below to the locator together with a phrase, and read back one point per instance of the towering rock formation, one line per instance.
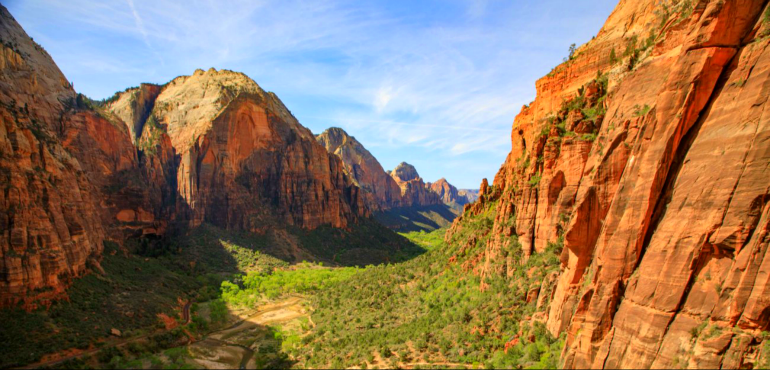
(414, 191)
(245, 161)
(211, 147)
(55, 153)
(380, 191)
(449, 194)
(647, 154)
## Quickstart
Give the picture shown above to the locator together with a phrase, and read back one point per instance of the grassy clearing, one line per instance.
(427, 240)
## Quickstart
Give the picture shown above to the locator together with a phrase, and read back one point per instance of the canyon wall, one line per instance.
(414, 191)
(211, 147)
(380, 191)
(646, 156)
(243, 160)
(449, 193)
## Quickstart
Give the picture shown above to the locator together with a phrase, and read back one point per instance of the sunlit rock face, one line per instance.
(380, 191)
(414, 191)
(210, 147)
(449, 193)
(242, 159)
(648, 153)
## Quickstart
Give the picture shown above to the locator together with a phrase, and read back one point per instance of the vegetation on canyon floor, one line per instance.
(148, 277)
(421, 311)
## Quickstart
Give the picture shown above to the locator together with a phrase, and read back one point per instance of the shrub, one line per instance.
(588, 137)
(641, 111)
(535, 179)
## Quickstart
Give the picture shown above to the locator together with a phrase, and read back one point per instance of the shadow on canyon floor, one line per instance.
(149, 277)
(419, 218)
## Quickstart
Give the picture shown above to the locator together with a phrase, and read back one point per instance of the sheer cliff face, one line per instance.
(244, 161)
(449, 193)
(414, 191)
(380, 191)
(209, 147)
(53, 158)
(651, 162)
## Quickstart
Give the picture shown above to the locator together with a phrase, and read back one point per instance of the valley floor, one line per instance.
(236, 306)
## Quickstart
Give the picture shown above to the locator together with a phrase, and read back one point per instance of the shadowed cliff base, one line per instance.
(146, 281)
(417, 218)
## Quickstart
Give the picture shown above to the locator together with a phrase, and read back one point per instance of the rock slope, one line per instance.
(646, 156)
(380, 191)
(414, 191)
(211, 147)
(449, 193)
(49, 212)
(244, 160)
(385, 190)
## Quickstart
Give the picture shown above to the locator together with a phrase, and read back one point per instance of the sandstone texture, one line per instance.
(244, 162)
(380, 191)
(647, 156)
(449, 193)
(49, 217)
(414, 191)
(211, 147)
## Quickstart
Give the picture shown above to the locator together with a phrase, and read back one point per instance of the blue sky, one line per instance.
(433, 83)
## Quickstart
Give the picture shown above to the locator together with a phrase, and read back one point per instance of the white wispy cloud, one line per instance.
(395, 78)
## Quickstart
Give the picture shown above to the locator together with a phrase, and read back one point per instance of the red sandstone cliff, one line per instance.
(245, 162)
(414, 191)
(652, 162)
(449, 193)
(50, 209)
(211, 147)
(380, 191)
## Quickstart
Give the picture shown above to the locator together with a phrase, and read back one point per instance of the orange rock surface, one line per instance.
(49, 216)
(449, 193)
(654, 170)
(414, 191)
(380, 190)
(211, 147)
(244, 160)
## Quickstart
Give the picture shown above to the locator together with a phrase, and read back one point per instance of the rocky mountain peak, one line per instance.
(405, 172)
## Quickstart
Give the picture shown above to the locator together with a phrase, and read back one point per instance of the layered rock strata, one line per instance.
(414, 191)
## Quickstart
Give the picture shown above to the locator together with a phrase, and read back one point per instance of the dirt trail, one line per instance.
(227, 348)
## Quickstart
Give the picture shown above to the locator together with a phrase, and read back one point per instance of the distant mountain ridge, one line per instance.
(400, 187)
(450, 195)
(399, 198)
(380, 191)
